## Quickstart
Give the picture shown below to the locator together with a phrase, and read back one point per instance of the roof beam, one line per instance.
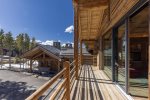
(37, 55)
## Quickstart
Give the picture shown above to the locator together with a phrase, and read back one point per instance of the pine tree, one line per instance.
(1, 41)
(33, 43)
(9, 41)
(20, 43)
(1, 45)
(26, 42)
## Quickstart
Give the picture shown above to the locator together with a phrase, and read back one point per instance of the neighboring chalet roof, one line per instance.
(70, 52)
(52, 52)
(51, 49)
(47, 49)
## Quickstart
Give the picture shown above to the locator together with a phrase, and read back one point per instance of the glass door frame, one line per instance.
(125, 20)
(115, 74)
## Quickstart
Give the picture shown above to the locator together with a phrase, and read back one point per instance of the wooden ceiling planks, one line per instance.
(89, 22)
(90, 14)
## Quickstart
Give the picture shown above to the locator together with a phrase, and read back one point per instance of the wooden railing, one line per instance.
(62, 90)
(72, 74)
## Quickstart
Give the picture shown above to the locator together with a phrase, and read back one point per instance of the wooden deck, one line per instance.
(93, 84)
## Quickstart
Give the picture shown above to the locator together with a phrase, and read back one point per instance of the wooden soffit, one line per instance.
(89, 15)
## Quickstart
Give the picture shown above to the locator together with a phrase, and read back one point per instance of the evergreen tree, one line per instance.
(1, 41)
(1, 45)
(8, 41)
(26, 42)
(20, 43)
(33, 43)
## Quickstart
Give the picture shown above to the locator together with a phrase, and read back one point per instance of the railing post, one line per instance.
(67, 66)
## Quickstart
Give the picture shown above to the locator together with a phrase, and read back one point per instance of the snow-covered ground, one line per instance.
(19, 66)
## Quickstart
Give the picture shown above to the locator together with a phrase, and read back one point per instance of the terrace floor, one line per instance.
(93, 84)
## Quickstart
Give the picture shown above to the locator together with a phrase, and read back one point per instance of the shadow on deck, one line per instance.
(93, 84)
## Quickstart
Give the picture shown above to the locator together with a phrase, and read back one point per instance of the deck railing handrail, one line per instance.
(66, 85)
(72, 63)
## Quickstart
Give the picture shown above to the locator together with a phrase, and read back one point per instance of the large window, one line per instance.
(107, 54)
(139, 38)
(120, 44)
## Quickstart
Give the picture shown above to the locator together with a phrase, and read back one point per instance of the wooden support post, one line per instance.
(101, 67)
(81, 62)
(67, 76)
(31, 65)
(76, 37)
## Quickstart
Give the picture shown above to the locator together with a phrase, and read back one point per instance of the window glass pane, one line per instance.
(120, 55)
(139, 38)
(107, 54)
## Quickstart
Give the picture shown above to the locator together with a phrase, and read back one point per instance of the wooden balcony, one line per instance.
(93, 84)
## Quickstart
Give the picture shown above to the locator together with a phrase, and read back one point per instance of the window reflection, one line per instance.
(120, 56)
(107, 54)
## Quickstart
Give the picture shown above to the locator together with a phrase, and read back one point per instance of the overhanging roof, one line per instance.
(89, 14)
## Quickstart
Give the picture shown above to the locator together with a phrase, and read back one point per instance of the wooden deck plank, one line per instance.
(93, 84)
(104, 89)
(86, 88)
(113, 88)
(109, 87)
(79, 93)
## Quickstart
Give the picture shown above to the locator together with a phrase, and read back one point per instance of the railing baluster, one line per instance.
(67, 84)
(58, 90)
(67, 66)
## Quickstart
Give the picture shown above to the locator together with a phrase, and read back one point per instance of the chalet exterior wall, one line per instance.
(117, 9)
(118, 13)
(115, 15)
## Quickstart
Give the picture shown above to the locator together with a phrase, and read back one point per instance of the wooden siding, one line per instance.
(96, 20)
(116, 13)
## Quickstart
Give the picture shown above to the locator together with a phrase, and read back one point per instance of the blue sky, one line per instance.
(42, 19)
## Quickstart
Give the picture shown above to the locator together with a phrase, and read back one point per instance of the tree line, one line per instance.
(20, 44)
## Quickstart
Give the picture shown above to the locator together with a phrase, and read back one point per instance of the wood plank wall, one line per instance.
(116, 13)
(118, 8)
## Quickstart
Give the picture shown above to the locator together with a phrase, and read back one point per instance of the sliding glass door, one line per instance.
(139, 39)
(120, 43)
(107, 54)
